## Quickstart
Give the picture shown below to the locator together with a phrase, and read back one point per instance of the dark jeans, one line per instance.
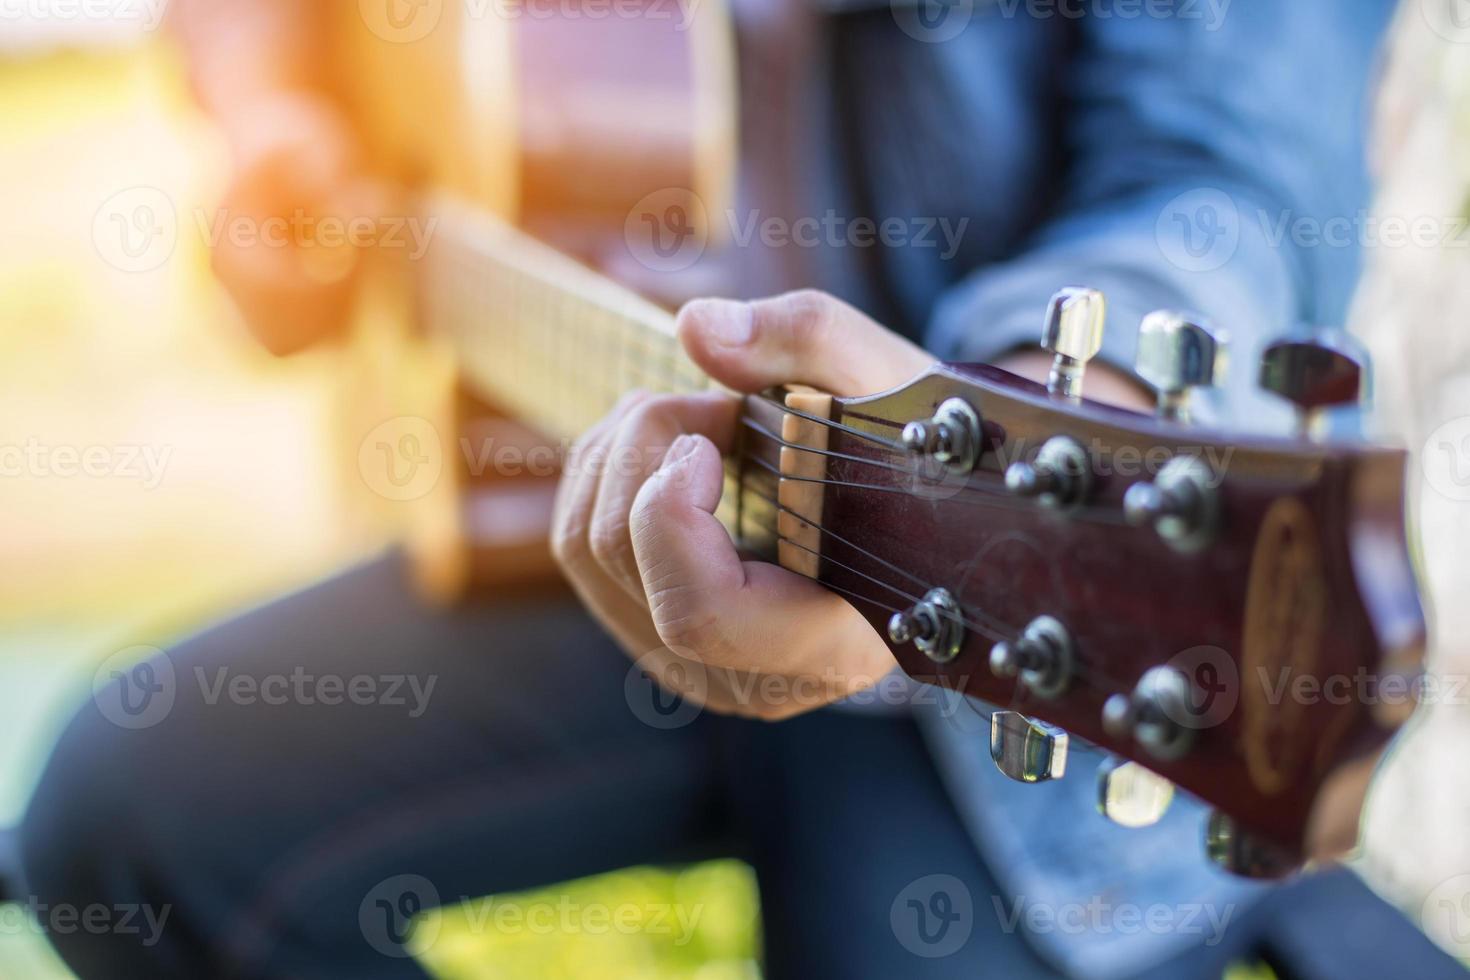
(287, 837)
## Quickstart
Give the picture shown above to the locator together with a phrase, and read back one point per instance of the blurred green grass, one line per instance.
(640, 924)
(94, 357)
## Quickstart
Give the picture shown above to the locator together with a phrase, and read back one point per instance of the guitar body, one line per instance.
(556, 118)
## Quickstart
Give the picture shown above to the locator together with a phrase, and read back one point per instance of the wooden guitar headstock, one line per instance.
(1237, 614)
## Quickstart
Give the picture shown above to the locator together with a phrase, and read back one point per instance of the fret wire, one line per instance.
(625, 356)
(558, 346)
(549, 349)
(666, 365)
(606, 350)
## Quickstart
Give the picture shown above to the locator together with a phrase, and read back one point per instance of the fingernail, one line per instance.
(681, 449)
(730, 323)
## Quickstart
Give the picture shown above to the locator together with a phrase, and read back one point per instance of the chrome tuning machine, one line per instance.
(934, 625)
(1182, 504)
(1027, 750)
(1073, 333)
(1327, 371)
(1177, 353)
(1059, 477)
(1154, 714)
(953, 437)
(1042, 658)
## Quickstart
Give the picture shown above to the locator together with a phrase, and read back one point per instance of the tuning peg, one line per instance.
(1242, 853)
(1178, 352)
(1150, 715)
(1059, 476)
(1130, 795)
(934, 625)
(951, 437)
(1073, 332)
(1182, 504)
(1314, 375)
(1027, 750)
(1042, 657)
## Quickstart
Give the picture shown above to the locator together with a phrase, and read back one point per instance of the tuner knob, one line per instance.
(1181, 504)
(952, 437)
(1242, 853)
(934, 625)
(1041, 657)
(1130, 795)
(1060, 475)
(1152, 714)
(1027, 750)
(1315, 375)
(1073, 332)
(1178, 352)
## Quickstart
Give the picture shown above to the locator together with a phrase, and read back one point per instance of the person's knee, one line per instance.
(84, 848)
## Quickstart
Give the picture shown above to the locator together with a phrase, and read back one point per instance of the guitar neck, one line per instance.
(537, 333)
(555, 345)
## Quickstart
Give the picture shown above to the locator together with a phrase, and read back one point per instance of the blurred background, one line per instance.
(215, 479)
(161, 469)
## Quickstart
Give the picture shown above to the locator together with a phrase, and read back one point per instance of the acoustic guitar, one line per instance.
(554, 117)
(1170, 593)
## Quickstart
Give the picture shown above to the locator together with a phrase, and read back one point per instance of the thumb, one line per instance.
(806, 337)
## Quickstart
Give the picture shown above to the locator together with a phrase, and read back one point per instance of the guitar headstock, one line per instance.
(1237, 614)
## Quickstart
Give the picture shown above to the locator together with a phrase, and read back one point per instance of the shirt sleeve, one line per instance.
(1216, 163)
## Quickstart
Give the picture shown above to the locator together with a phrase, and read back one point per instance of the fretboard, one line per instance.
(538, 333)
(554, 344)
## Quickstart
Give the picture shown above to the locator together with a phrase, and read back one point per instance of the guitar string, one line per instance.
(751, 423)
(975, 627)
(874, 487)
(1086, 672)
(829, 423)
(971, 703)
(984, 496)
(979, 495)
(853, 545)
(996, 631)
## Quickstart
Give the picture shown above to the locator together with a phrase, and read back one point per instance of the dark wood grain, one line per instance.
(1309, 577)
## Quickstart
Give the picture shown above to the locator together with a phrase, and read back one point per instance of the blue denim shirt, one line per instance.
(1198, 154)
(1207, 156)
